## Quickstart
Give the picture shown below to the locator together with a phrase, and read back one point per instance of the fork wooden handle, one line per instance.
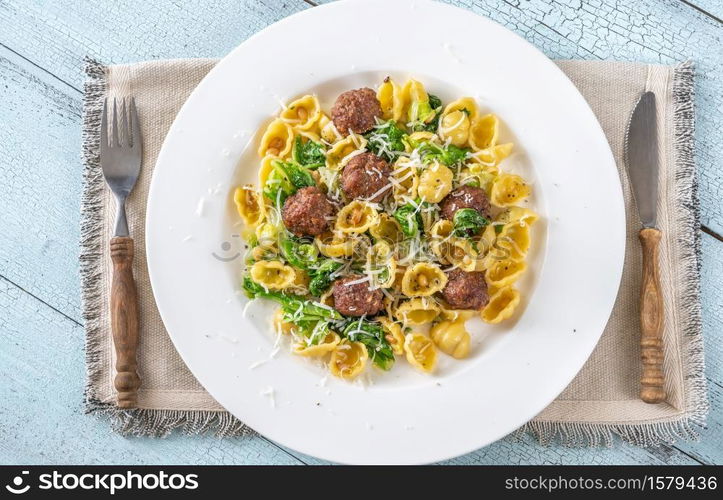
(651, 320)
(124, 321)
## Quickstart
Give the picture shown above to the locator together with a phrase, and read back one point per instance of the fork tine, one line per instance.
(116, 141)
(124, 131)
(135, 126)
(104, 125)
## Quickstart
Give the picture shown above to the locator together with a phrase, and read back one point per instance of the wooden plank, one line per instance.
(42, 419)
(58, 35)
(40, 172)
(713, 8)
(526, 451)
(710, 447)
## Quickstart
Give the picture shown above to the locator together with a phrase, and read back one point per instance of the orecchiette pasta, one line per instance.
(393, 334)
(501, 273)
(483, 132)
(420, 352)
(441, 239)
(381, 265)
(344, 150)
(501, 305)
(300, 284)
(330, 341)
(435, 183)
(303, 113)
(265, 169)
(348, 359)
(277, 139)
(414, 97)
(263, 252)
(327, 130)
(332, 244)
(267, 234)
(356, 217)
(404, 178)
(461, 253)
(456, 121)
(417, 311)
(455, 314)
(483, 175)
(272, 274)
(249, 205)
(492, 156)
(422, 280)
(387, 230)
(508, 189)
(451, 337)
(391, 98)
(514, 239)
(515, 214)
(464, 104)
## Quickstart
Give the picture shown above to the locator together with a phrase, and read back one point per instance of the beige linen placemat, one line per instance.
(600, 402)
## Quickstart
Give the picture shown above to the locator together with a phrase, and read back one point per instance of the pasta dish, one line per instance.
(382, 226)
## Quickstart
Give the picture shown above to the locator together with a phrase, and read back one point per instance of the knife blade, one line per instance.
(641, 158)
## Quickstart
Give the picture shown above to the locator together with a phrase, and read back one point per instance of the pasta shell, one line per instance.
(334, 245)
(393, 334)
(484, 132)
(272, 274)
(324, 347)
(277, 140)
(423, 279)
(386, 230)
(343, 151)
(456, 120)
(392, 100)
(417, 311)
(501, 305)
(249, 205)
(501, 273)
(348, 359)
(302, 113)
(435, 183)
(451, 337)
(404, 178)
(420, 352)
(356, 217)
(508, 189)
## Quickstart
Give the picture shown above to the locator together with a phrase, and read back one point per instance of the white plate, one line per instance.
(516, 369)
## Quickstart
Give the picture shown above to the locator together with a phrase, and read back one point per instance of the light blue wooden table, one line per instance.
(42, 45)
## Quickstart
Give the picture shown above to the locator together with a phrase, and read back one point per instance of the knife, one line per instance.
(641, 159)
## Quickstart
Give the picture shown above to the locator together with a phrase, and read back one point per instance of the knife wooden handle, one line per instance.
(651, 320)
(124, 321)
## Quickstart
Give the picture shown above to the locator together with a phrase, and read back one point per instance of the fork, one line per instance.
(120, 159)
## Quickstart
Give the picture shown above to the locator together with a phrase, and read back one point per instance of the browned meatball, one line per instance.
(465, 197)
(307, 212)
(466, 290)
(365, 175)
(356, 299)
(355, 111)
